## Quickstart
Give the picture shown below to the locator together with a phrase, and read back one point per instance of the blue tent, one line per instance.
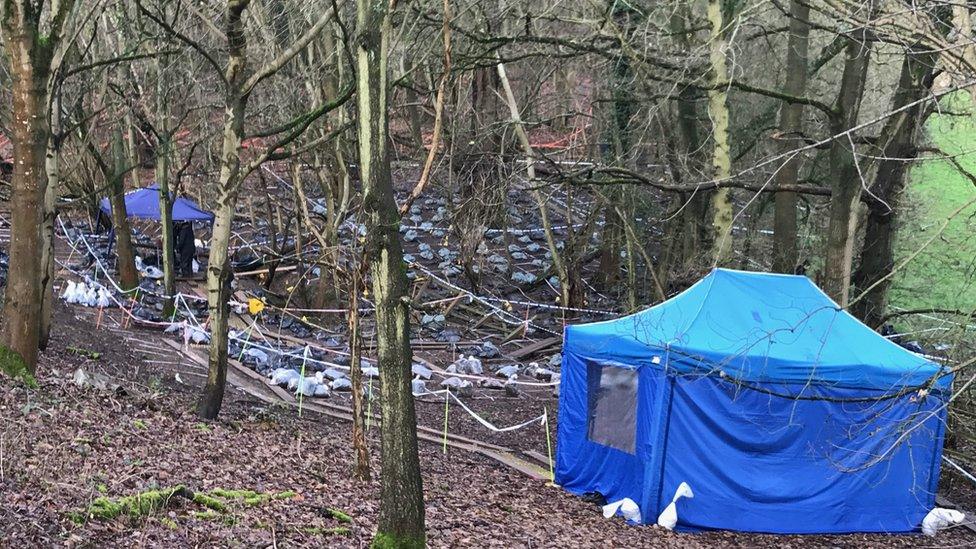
(783, 413)
(144, 204)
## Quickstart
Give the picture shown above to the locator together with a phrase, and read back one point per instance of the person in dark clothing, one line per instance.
(184, 247)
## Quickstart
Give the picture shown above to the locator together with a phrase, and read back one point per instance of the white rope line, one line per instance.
(965, 473)
(246, 342)
(541, 420)
(502, 314)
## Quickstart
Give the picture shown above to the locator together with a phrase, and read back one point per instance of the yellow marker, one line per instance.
(255, 306)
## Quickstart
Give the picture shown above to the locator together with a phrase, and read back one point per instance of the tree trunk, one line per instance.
(361, 471)
(163, 153)
(785, 244)
(166, 222)
(29, 133)
(218, 264)
(898, 142)
(126, 265)
(844, 173)
(52, 168)
(721, 162)
(401, 519)
(219, 273)
(685, 230)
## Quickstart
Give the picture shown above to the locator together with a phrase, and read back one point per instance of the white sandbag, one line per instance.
(69, 292)
(940, 518)
(103, 299)
(626, 507)
(79, 294)
(669, 517)
(90, 297)
(308, 386)
(283, 376)
(258, 355)
(198, 336)
(341, 384)
(418, 387)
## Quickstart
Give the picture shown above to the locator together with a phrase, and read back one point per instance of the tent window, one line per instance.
(612, 397)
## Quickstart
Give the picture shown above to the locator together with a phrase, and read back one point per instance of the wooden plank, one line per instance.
(528, 350)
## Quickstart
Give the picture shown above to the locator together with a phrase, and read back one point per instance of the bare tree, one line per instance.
(33, 34)
(401, 521)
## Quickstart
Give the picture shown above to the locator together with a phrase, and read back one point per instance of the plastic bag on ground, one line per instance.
(940, 518)
(626, 507)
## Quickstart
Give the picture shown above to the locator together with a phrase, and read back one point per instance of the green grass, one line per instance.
(943, 275)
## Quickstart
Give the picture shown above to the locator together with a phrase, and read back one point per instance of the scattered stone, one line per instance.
(371, 372)
(556, 360)
(525, 239)
(519, 256)
(341, 384)
(533, 247)
(514, 248)
(410, 236)
(520, 277)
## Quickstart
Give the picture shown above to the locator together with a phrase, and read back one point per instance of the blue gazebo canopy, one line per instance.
(144, 204)
(783, 412)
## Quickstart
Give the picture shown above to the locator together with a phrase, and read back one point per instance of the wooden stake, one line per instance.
(447, 399)
(545, 416)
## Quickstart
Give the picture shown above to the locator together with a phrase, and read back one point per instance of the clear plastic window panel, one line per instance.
(612, 395)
